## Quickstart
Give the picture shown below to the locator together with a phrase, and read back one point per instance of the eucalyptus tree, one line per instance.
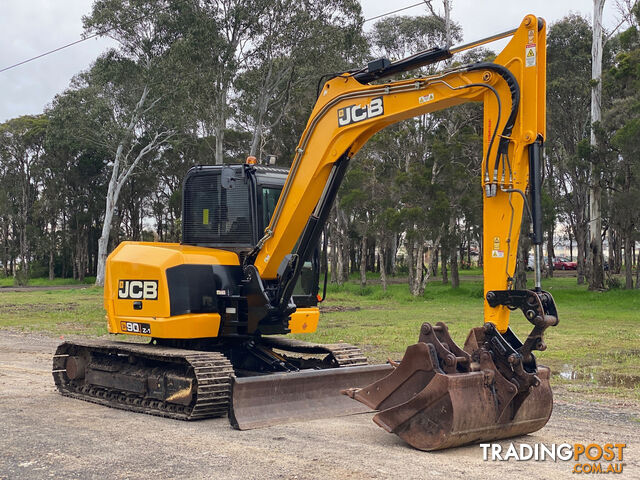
(129, 83)
(568, 124)
(76, 171)
(410, 144)
(620, 136)
(218, 38)
(21, 148)
(298, 43)
(596, 263)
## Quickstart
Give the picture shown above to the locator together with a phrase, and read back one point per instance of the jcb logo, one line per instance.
(138, 289)
(358, 113)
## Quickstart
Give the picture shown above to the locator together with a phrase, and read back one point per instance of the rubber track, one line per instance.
(344, 354)
(211, 371)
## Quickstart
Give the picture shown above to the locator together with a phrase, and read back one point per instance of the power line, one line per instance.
(97, 34)
(394, 11)
(140, 18)
(50, 52)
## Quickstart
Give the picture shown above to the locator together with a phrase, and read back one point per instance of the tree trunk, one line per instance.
(23, 278)
(383, 262)
(394, 253)
(363, 261)
(628, 275)
(443, 267)
(110, 205)
(453, 258)
(419, 259)
(340, 264)
(435, 258)
(611, 236)
(447, 21)
(334, 259)
(255, 141)
(410, 265)
(81, 257)
(618, 254)
(550, 251)
(570, 247)
(550, 255)
(334, 245)
(637, 269)
(52, 250)
(419, 278)
(581, 243)
(455, 276)
(342, 273)
(596, 270)
(5, 250)
(425, 271)
(119, 175)
(220, 126)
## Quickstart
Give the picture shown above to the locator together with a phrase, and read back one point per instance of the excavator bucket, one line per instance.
(266, 400)
(441, 396)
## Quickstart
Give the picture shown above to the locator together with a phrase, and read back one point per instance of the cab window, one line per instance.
(268, 199)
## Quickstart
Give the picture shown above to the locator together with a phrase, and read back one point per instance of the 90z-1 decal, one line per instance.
(138, 289)
(135, 327)
(358, 113)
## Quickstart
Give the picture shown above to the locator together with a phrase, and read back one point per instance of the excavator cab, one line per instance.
(229, 206)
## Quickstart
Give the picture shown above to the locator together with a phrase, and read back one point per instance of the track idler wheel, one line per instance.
(441, 396)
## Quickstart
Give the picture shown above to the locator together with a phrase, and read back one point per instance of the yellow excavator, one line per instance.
(213, 311)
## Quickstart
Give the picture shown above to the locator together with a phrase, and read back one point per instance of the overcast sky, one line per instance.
(31, 27)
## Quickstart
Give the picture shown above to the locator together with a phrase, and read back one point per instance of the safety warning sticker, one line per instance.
(530, 55)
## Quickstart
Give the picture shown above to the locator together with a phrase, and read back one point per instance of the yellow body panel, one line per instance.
(149, 261)
(304, 320)
(200, 325)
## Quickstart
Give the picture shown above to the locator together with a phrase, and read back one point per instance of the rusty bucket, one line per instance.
(441, 396)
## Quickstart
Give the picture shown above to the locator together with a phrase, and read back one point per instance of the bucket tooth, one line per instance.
(432, 402)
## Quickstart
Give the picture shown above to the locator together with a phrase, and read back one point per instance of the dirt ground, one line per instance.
(45, 435)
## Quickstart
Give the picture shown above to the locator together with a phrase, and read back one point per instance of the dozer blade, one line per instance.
(289, 397)
(441, 396)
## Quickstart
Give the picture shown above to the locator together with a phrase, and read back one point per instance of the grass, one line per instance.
(596, 345)
(45, 282)
(56, 312)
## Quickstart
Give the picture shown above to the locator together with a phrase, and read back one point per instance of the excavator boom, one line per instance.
(347, 113)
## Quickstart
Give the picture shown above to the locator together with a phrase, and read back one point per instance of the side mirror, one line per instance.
(228, 178)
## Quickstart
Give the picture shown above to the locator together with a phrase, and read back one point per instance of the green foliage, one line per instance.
(619, 135)
(243, 78)
(401, 36)
(614, 283)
